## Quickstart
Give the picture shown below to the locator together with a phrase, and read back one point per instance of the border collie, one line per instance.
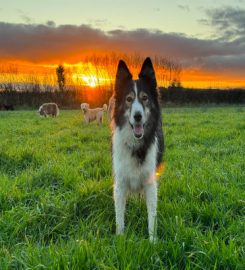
(137, 141)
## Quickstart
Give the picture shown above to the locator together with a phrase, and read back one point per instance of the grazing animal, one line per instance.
(93, 114)
(49, 109)
(137, 141)
(9, 107)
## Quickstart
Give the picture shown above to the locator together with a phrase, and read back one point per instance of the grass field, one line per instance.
(56, 201)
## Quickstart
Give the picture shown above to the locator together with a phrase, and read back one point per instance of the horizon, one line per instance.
(206, 40)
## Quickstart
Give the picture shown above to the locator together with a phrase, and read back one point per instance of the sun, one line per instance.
(91, 81)
(86, 74)
(88, 80)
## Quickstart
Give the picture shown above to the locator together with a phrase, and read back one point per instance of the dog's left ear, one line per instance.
(147, 72)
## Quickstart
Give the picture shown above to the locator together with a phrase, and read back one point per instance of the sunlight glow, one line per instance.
(90, 80)
(160, 170)
(89, 75)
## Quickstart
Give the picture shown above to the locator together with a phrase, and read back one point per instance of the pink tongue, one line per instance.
(138, 129)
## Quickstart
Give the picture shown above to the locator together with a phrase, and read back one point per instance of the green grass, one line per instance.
(56, 200)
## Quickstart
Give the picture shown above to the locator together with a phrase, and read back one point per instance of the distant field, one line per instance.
(56, 201)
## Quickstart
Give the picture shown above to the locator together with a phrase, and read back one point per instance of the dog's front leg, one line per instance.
(120, 203)
(151, 203)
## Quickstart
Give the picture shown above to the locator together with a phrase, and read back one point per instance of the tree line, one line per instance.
(71, 99)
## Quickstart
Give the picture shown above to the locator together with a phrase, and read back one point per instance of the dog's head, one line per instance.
(41, 110)
(84, 107)
(136, 100)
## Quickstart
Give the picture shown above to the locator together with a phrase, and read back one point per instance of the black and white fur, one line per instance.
(137, 140)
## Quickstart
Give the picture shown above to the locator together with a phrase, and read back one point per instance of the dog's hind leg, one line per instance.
(99, 120)
(150, 190)
(120, 203)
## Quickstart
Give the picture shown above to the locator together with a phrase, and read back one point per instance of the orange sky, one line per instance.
(203, 79)
(85, 73)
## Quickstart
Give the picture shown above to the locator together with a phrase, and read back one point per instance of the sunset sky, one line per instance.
(206, 37)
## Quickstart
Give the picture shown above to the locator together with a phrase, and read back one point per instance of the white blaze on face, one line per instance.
(137, 115)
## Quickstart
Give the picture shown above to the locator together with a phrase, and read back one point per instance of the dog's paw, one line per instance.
(119, 230)
(119, 233)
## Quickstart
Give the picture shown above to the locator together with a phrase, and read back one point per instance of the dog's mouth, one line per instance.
(138, 130)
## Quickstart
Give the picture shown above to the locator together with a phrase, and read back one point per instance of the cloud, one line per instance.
(184, 7)
(99, 22)
(228, 22)
(50, 23)
(156, 9)
(70, 43)
(26, 19)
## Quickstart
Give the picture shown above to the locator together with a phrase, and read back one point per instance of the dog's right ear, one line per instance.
(123, 75)
(147, 72)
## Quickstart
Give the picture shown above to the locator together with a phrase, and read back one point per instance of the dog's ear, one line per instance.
(147, 72)
(123, 75)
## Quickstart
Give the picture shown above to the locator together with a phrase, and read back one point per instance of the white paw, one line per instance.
(153, 239)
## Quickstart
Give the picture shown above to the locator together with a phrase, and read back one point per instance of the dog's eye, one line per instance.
(129, 99)
(145, 97)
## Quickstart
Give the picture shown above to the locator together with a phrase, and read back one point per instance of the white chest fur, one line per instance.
(128, 171)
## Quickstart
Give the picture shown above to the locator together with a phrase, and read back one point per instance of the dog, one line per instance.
(9, 107)
(93, 114)
(49, 109)
(137, 141)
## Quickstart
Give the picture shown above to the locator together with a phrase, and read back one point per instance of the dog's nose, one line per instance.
(137, 117)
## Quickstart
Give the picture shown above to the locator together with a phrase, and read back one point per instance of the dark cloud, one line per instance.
(51, 23)
(232, 64)
(227, 62)
(69, 43)
(228, 22)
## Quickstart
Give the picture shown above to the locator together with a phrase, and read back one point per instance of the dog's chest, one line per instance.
(127, 168)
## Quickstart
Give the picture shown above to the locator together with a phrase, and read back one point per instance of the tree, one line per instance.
(175, 84)
(60, 71)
